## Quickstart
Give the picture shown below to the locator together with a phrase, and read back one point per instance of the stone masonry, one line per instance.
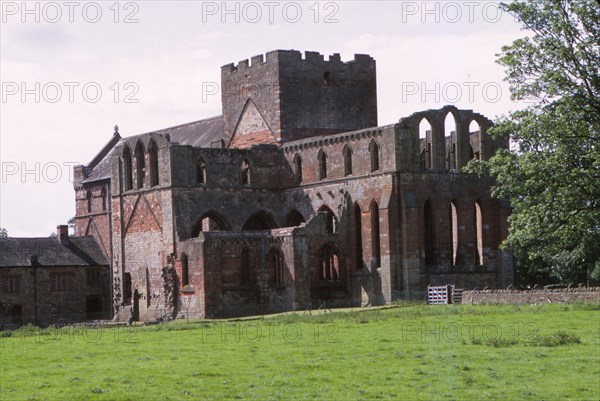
(293, 198)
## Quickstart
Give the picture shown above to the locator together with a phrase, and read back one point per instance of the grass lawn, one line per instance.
(411, 352)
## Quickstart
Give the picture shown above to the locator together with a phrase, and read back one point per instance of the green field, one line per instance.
(410, 352)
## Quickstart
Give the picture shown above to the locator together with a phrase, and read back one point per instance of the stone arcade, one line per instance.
(293, 198)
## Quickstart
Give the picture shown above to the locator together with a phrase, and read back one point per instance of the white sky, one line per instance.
(168, 50)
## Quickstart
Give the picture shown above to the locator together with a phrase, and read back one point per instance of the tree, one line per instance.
(3, 233)
(552, 173)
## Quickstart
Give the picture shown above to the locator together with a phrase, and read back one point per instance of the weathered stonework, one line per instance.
(293, 198)
(52, 280)
(537, 296)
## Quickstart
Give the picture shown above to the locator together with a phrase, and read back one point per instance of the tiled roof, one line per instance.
(200, 134)
(76, 251)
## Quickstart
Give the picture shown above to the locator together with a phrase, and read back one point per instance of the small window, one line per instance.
(245, 173)
(326, 78)
(140, 164)
(374, 152)
(453, 232)
(322, 158)
(104, 195)
(12, 284)
(153, 159)
(185, 273)
(375, 234)
(329, 264)
(298, 167)
(127, 288)
(89, 200)
(201, 171)
(478, 234)
(276, 267)
(61, 282)
(358, 244)
(127, 169)
(347, 153)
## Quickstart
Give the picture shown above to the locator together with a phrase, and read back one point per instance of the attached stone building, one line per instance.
(53, 280)
(293, 198)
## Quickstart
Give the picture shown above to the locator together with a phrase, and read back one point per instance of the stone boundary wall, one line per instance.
(537, 296)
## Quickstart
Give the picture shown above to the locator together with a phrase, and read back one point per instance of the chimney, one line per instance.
(62, 232)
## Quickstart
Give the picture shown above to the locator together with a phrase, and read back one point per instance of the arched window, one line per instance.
(245, 172)
(425, 136)
(428, 233)
(259, 221)
(89, 200)
(210, 221)
(347, 154)
(294, 219)
(153, 160)
(140, 164)
(298, 167)
(322, 158)
(374, 153)
(453, 231)
(475, 135)
(185, 274)
(330, 219)
(358, 245)
(450, 133)
(276, 267)
(104, 196)
(127, 169)
(329, 264)
(478, 234)
(375, 234)
(201, 171)
(245, 266)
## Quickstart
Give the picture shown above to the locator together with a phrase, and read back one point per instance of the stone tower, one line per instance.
(285, 97)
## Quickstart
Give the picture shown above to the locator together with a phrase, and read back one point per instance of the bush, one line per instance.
(556, 339)
(500, 342)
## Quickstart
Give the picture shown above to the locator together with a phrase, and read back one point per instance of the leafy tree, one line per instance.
(552, 173)
(3, 233)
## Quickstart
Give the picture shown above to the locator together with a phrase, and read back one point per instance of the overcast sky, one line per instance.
(71, 71)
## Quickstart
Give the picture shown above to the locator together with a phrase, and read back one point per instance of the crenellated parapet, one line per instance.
(283, 96)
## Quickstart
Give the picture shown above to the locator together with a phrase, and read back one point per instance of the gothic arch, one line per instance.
(259, 221)
(200, 171)
(374, 155)
(140, 164)
(245, 172)
(294, 219)
(153, 161)
(375, 234)
(127, 168)
(358, 243)
(347, 155)
(276, 267)
(298, 167)
(330, 222)
(210, 221)
(322, 160)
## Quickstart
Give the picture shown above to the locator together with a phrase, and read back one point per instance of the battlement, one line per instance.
(285, 95)
(295, 57)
